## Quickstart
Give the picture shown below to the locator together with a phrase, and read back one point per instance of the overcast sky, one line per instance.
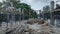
(37, 4)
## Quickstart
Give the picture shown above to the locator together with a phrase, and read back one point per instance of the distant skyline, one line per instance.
(37, 4)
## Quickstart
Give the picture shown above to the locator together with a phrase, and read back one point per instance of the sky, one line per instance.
(37, 4)
(0, 0)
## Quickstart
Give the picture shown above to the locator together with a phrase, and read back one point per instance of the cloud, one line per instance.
(29, 0)
(38, 4)
(0, 0)
(42, 0)
(46, 1)
(35, 4)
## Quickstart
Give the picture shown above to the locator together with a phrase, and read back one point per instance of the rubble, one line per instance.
(32, 21)
(37, 26)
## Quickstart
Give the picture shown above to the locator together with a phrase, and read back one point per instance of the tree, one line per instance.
(27, 9)
(1, 16)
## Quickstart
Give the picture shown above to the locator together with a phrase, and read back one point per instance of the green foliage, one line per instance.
(28, 12)
(0, 4)
(2, 18)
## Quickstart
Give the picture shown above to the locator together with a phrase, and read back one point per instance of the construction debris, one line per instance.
(35, 26)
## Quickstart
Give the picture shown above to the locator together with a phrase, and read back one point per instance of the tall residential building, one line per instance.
(57, 6)
(43, 8)
(46, 9)
(40, 13)
(51, 14)
(52, 5)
